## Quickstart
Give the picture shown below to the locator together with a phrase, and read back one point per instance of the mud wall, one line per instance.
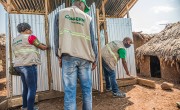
(137, 43)
(169, 73)
(145, 67)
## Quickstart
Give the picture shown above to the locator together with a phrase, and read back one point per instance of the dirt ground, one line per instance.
(138, 98)
(2, 85)
(2, 89)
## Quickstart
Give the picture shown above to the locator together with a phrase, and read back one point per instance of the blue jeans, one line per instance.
(110, 77)
(29, 81)
(73, 68)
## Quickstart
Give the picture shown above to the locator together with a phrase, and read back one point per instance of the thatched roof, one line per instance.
(165, 44)
(113, 8)
(143, 36)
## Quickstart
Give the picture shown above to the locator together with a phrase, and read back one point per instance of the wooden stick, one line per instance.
(10, 57)
(9, 8)
(40, 96)
(124, 10)
(146, 82)
(14, 5)
(24, 12)
(101, 20)
(99, 51)
(105, 1)
(105, 25)
(67, 3)
(127, 8)
(47, 43)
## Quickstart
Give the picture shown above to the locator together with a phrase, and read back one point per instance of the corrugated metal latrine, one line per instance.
(117, 29)
(38, 26)
(56, 71)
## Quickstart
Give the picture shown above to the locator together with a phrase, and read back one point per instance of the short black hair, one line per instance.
(23, 27)
(128, 38)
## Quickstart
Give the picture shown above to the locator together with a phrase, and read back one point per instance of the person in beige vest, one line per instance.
(76, 49)
(26, 58)
(111, 54)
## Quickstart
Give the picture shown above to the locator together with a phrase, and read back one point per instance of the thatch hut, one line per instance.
(140, 39)
(160, 57)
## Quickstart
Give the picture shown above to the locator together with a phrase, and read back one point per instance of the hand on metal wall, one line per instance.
(93, 66)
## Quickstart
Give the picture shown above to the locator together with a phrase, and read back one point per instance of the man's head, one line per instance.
(81, 4)
(24, 28)
(127, 42)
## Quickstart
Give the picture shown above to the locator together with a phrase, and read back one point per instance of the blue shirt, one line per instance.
(56, 37)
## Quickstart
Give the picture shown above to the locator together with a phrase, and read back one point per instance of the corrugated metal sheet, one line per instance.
(112, 7)
(118, 29)
(95, 74)
(37, 24)
(56, 70)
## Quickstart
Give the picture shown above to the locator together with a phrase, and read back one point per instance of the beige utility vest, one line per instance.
(74, 32)
(110, 53)
(24, 53)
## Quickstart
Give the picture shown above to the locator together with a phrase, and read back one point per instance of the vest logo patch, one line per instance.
(17, 41)
(76, 20)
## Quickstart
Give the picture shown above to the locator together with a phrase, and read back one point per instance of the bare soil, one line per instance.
(138, 98)
(2, 67)
(3, 92)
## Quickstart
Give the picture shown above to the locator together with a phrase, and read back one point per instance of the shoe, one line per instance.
(178, 104)
(36, 108)
(119, 94)
(23, 108)
(108, 90)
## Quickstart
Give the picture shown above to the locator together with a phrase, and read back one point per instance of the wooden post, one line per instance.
(105, 25)
(10, 56)
(127, 8)
(9, 8)
(99, 51)
(130, 4)
(47, 43)
(15, 7)
(67, 3)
